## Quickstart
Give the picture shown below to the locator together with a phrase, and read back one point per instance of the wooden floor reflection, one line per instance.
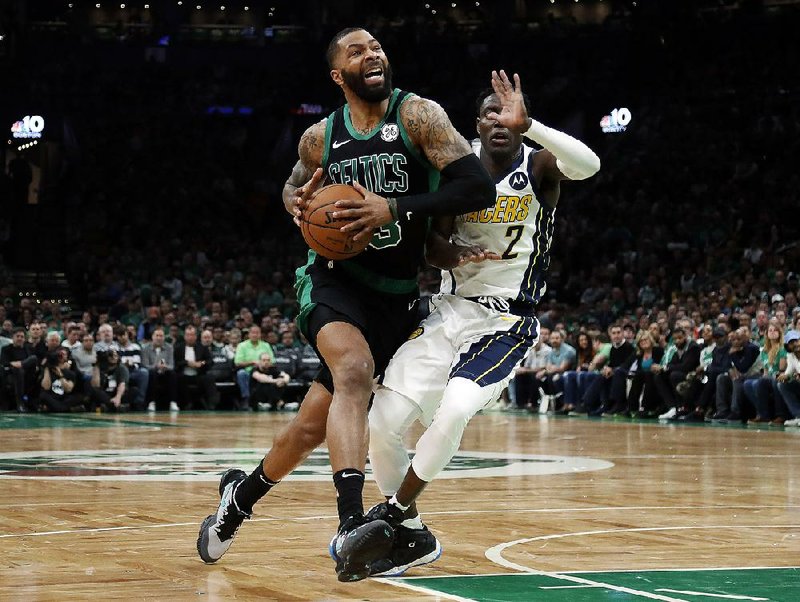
(108, 508)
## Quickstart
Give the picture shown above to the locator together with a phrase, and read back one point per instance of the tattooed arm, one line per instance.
(466, 185)
(429, 128)
(307, 173)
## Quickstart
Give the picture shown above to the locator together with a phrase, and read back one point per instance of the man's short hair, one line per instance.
(679, 330)
(19, 329)
(330, 53)
(119, 330)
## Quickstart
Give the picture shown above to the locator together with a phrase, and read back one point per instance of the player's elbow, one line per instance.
(586, 168)
(470, 183)
(593, 165)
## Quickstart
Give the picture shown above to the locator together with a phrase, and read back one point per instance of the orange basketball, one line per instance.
(321, 232)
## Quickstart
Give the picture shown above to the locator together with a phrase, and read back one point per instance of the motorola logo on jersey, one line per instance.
(518, 180)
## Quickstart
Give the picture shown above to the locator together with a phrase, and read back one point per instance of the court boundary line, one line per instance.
(423, 590)
(711, 595)
(640, 570)
(495, 554)
(440, 513)
(571, 576)
(594, 584)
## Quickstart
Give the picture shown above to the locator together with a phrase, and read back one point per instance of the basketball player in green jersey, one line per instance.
(392, 146)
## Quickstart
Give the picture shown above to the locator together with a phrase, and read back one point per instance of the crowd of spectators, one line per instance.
(146, 361)
(170, 215)
(737, 367)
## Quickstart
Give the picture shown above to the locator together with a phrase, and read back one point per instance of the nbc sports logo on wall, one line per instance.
(616, 121)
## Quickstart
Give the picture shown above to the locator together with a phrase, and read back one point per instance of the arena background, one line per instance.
(171, 130)
(145, 147)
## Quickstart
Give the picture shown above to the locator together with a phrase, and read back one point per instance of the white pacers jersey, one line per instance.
(518, 228)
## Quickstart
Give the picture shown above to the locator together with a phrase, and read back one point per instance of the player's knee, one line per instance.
(353, 371)
(456, 419)
(382, 430)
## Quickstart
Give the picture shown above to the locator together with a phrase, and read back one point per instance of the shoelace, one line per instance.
(231, 520)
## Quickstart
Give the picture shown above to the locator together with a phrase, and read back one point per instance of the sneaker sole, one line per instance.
(427, 559)
(202, 537)
(377, 539)
(202, 540)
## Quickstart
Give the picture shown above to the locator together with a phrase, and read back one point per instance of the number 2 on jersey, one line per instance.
(516, 233)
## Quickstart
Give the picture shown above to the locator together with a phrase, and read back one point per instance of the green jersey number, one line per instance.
(387, 236)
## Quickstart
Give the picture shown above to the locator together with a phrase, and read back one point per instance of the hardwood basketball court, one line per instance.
(532, 508)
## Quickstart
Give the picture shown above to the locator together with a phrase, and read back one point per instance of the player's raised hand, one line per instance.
(513, 115)
(304, 193)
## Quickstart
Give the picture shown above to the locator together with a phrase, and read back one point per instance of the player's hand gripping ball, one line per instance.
(321, 232)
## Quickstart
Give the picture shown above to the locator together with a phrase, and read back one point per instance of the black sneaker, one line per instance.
(218, 530)
(412, 547)
(388, 512)
(720, 417)
(358, 543)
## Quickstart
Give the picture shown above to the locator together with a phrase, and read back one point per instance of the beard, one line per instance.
(367, 93)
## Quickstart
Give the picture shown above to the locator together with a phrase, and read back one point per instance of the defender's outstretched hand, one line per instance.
(513, 115)
(475, 254)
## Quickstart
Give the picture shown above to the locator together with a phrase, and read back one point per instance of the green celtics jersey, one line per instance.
(387, 163)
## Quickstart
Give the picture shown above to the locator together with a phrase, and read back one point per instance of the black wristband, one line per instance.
(468, 187)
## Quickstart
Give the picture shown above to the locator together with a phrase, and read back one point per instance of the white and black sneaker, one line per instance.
(412, 547)
(218, 530)
(358, 543)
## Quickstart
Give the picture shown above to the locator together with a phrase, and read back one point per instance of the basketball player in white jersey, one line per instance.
(482, 325)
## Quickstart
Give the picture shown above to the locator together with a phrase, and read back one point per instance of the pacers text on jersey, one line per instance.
(506, 209)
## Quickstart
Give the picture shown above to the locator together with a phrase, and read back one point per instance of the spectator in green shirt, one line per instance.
(247, 354)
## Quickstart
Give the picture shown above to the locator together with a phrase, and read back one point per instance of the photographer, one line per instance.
(110, 382)
(58, 383)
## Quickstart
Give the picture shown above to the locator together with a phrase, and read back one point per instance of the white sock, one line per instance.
(413, 523)
(394, 502)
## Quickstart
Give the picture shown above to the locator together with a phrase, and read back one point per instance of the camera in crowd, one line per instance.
(105, 358)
